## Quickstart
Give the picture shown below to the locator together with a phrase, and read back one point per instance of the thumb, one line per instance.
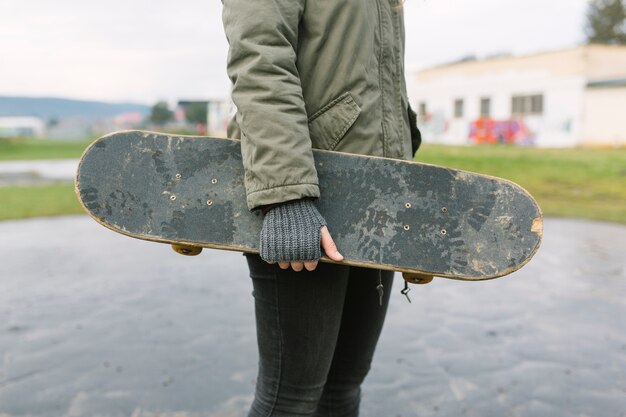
(328, 244)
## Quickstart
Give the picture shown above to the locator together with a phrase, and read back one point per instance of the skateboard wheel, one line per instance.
(187, 250)
(417, 278)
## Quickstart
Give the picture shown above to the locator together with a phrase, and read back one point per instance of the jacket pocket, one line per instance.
(329, 125)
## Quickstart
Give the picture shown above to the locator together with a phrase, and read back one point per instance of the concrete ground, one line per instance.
(97, 324)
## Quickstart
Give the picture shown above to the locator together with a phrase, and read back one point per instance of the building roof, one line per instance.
(594, 62)
(617, 82)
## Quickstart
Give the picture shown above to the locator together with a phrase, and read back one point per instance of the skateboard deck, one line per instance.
(382, 213)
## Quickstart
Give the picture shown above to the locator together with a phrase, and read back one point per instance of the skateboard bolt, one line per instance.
(172, 197)
(209, 203)
(444, 209)
(407, 205)
(178, 176)
(443, 232)
(214, 181)
(406, 227)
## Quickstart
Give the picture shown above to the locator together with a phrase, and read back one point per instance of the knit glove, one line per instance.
(291, 232)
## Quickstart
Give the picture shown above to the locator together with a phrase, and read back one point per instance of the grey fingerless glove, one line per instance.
(291, 232)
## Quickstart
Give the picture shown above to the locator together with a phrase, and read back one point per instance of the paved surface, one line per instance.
(37, 172)
(96, 324)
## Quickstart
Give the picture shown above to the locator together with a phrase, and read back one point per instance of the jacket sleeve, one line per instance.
(271, 115)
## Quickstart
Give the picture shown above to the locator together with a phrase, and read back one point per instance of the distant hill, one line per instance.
(59, 108)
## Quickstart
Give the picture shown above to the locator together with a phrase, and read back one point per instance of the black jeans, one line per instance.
(317, 332)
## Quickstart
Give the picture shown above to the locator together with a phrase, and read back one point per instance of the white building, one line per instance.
(22, 126)
(568, 97)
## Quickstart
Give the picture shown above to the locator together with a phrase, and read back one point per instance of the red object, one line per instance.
(511, 131)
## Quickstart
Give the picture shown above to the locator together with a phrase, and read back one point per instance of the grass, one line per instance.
(578, 182)
(27, 148)
(39, 200)
(36, 201)
(583, 183)
(23, 149)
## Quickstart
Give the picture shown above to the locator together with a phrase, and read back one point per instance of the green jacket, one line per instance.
(314, 74)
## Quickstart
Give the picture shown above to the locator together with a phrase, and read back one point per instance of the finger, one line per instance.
(283, 265)
(328, 244)
(311, 265)
(297, 266)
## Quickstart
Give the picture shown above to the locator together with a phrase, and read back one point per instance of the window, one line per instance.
(485, 106)
(536, 105)
(526, 105)
(458, 107)
(517, 105)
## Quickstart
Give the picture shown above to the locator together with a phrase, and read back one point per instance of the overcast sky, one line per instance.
(147, 50)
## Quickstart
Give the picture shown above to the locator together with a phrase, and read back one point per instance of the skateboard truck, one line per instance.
(187, 250)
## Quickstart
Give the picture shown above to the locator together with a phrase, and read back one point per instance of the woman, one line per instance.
(313, 74)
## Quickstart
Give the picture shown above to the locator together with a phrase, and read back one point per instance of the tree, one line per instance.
(196, 112)
(160, 113)
(606, 22)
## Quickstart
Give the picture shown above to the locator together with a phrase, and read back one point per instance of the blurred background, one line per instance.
(536, 75)
(531, 91)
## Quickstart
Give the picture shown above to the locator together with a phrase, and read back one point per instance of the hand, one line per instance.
(294, 234)
(329, 247)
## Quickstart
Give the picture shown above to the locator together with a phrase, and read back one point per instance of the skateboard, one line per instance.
(419, 219)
